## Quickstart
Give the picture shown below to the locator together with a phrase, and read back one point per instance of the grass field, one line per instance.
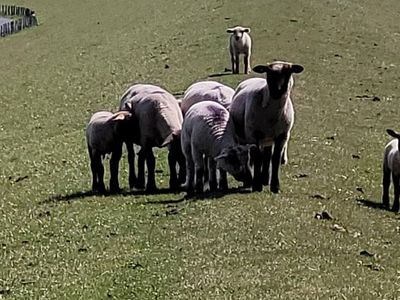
(57, 242)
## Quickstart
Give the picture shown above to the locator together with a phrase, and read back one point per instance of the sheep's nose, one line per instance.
(237, 37)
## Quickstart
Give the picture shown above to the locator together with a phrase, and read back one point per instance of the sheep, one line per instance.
(157, 122)
(262, 112)
(207, 91)
(391, 169)
(208, 131)
(105, 133)
(240, 43)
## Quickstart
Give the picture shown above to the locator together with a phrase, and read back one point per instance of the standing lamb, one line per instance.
(391, 169)
(157, 122)
(263, 114)
(240, 43)
(105, 134)
(207, 91)
(208, 131)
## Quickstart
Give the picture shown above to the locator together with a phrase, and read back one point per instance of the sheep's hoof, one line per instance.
(151, 189)
(385, 204)
(395, 208)
(139, 185)
(274, 189)
(189, 193)
(257, 188)
(115, 190)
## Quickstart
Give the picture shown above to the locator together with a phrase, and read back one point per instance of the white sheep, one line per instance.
(157, 122)
(208, 132)
(240, 43)
(391, 170)
(207, 91)
(105, 133)
(262, 112)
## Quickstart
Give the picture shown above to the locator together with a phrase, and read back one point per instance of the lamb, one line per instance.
(105, 133)
(240, 43)
(207, 91)
(262, 112)
(391, 168)
(208, 131)
(157, 122)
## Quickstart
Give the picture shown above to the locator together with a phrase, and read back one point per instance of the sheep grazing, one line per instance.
(157, 122)
(240, 43)
(207, 91)
(208, 132)
(105, 134)
(262, 112)
(391, 169)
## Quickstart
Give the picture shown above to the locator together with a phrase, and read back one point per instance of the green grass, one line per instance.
(81, 59)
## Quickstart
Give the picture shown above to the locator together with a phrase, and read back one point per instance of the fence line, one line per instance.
(27, 19)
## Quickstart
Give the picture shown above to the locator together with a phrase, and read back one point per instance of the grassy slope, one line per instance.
(258, 245)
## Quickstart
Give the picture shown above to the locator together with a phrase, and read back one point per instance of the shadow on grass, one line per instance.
(226, 73)
(372, 204)
(206, 195)
(83, 194)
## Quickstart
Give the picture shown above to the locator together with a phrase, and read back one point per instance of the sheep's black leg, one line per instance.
(141, 162)
(386, 185)
(190, 176)
(279, 143)
(246, 64)
(114, 165)
(93, 168)
(256, 157)
(131, 162)
(223, 180)
(199, 167)
(266, 164)
(151, 166)
(100, 174)
(206, 169)
(233, 63)
(173, 177)
(212, 170)
(237, 63)
(396, 185)
(182, 168)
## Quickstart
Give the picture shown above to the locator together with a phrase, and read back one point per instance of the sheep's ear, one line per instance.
(297, 68)
(393, 133)
(179, 102)
(128, 105)
(229, 30)
(247, 29)
(224, 155)
(251, 147)
(260, 69)
(120, 115)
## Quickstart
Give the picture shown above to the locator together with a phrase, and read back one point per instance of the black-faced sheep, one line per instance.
(240, 43)
(207, 91)
(105, 133)
(263, 114)
(391, 170)
(208, 132)
(157, 122)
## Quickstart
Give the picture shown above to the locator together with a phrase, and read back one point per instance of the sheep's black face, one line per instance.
(234, 160)
(279, 77)
(238, 34)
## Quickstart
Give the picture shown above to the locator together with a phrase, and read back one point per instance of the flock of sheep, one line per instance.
(243, 132)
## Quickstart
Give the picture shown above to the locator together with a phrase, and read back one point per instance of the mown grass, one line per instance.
(58, 242)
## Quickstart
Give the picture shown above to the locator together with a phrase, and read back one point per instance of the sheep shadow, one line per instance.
(372, 204)
(80, 195)
(83, 194)
(225, 73)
